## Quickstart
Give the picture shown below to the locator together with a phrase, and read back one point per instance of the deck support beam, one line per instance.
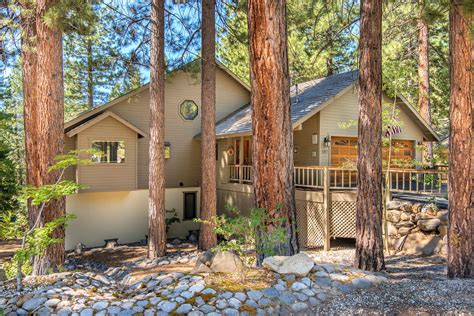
(327, 209)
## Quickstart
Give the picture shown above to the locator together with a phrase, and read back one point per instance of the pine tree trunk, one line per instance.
(424, 79)
(369, 246)
(156, 199)
(90, 75)
(50, 104)
(461, 188)
(271, 119)
(30, 109)
(207, 237)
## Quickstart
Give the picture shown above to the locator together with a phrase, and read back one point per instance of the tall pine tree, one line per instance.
(369, 246)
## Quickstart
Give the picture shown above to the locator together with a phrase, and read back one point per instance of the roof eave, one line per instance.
(101, 117)
(428, 131)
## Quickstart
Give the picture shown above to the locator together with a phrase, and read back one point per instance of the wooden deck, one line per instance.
(412, 181)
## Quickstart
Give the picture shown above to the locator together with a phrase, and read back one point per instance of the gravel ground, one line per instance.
(417, 286)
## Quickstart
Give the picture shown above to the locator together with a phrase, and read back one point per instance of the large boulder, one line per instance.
(429, 225)
(392, 230)
(443, 216)
(406, 224)
(220, 261)
(299, 264)
(416, 208)
(430, 209)
(226, 262)
(393, 216)
(405, 216)
(200, 268)
(421, 244)
(394, 205)
(423, 216)
(405, 230)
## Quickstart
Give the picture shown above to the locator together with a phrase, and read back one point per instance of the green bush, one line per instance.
(257, 232)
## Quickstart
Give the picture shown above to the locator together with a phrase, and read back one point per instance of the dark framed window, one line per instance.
(190, 205)
(111, 152)
(188, 110)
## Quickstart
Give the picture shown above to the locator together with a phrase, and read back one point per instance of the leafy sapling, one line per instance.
(37, 238)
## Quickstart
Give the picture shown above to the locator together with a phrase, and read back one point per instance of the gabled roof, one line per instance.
(307, 99)
(87, 115)
(101, 117)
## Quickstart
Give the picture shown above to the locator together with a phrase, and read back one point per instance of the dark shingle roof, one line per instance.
(312, 94)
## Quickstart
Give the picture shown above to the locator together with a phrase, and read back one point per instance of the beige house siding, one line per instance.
(103, 176)
(345, 109)
(302, 140)
(222, 166)
(70, 144)
(184, 166)
(122, 215)
(236, 195)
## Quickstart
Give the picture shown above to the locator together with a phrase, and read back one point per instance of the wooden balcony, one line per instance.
(428, 182)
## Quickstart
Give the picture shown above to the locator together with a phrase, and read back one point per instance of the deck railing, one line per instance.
(433, 182)
(240, 174)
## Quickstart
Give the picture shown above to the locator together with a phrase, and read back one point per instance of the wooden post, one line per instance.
(327, 208)
(241, 159)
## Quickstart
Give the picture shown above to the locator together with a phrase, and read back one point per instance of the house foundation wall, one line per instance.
(122, 215)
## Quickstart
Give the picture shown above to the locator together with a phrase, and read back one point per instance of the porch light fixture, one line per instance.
(327, 141)
(314, 139)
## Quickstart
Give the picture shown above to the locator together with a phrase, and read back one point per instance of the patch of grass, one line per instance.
(191, 300)
(247, 308)
(207, 297)
(256, 279)
(163, 297)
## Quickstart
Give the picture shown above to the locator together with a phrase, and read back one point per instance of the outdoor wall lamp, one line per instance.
(327, 141)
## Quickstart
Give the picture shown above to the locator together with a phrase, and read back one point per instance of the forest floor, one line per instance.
(417, 286)
(8, 248)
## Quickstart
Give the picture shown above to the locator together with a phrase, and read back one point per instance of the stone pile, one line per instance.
(118, 291)
(181, 257)
(414, 228)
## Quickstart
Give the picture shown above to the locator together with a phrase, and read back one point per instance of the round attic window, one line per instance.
(188, 110)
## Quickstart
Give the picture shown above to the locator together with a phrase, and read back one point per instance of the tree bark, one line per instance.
(369, 245)
(29, 61)
(271, 119)
(207, 237)
(156, 199)
(461, 189)
(50, 104)
(424, 77)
